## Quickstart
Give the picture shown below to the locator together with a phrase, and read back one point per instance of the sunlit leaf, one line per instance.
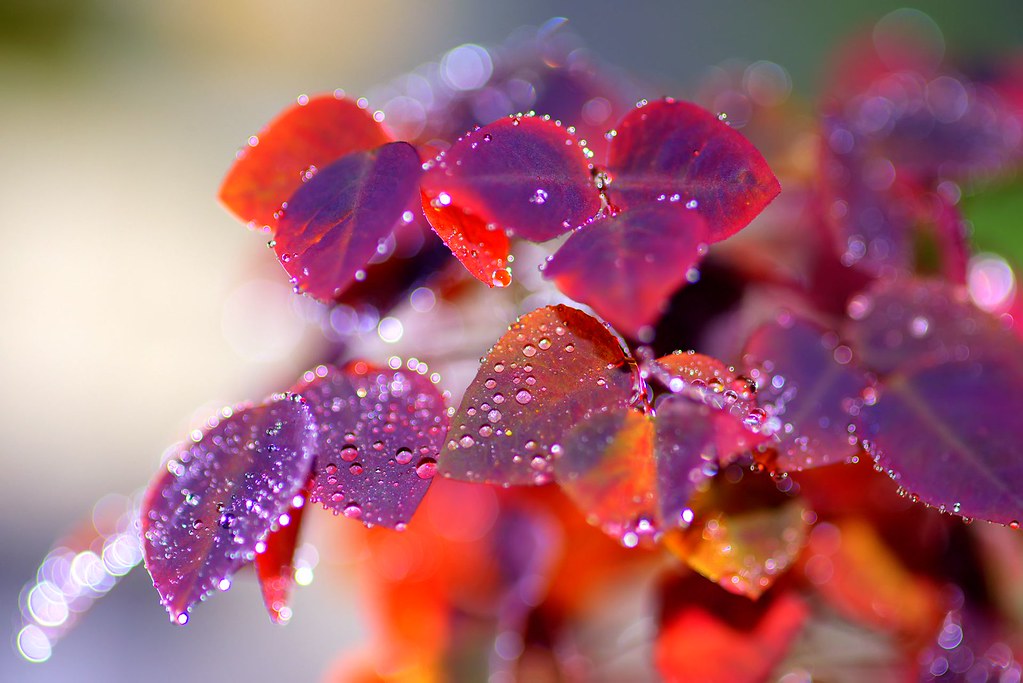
(380, 431)
(745, 532)
(524, 175)
(626, 266)
(335, 222)
(554, 366)
(809, 383)
(304, 137)
(944, 417)
(222, 494)
(672, 151)
(483, 250)
(274, 566)
(713, 636)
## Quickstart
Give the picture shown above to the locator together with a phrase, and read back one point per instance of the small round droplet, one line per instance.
(349, 453)
(353, 511)
(523, 397)
(426, 468)
(466, 441)
(403, 456)
(529, 350)
(544, 343)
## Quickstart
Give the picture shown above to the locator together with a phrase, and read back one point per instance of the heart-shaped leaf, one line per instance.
(335, 222)
(944, 419)
(670, 151)
(811, 389)
(211, 511)
(745, 532)
(380, 431)
(308, 135)
(553, 367)
(626, 266)
(524, 175)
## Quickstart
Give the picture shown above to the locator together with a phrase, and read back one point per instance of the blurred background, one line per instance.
(132, 305)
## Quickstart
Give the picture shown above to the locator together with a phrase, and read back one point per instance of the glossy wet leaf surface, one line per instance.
(626, 266)
(524, 175)
(335, 221)
(380, 431)
(553, 367)
(947, 405)
(211, 511)
(745, 533)
(300, 140)
(274, 566)
(481, 249)
(810, 384)
(677, 152)
(710, 635)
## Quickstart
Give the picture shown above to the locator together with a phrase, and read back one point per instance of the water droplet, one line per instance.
(426, 468)
(349, 453)
(355, 468)
(544, 343)
(466, 441)
(353, 511)
(486, 430)
(523, 397)
(494, 415)
(501, 277)
(529, 350)
(538, 197)
(403, 456)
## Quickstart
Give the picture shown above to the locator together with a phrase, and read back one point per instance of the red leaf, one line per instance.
(553, 367)
(305, 136)
(209, 513)
(810, 385)
(335, 222)
(274, 566)
(483, 251)
(380, 433)
(626, 266)
(713, 636)
(678, 152)
(524, 175)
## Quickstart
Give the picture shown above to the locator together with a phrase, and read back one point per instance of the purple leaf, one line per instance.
(211, 511)
(811, 389)
(678, 152)
(553, 367)
(626, 266)
(944, 423)
(335, 221)
(380, 432)
(524, 175)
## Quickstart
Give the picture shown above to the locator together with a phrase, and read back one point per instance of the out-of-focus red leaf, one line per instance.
(481, 249)
(222, 494)
(380, 432)
(335, 221)
(301, 139)
(672, 151)
(855, 571)
(809, 383)
(626, 266)
(745, 532)
(274, 565)
(524, 175)
(553, 367)
(710, 635)
(943, 420)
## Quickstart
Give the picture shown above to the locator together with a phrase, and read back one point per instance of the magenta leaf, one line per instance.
(211, 511)
(672, 151)
(944, 423)
(551, 369)
(380, 431)
(334, 223)
(812, 390)
(525, 175)
(626, 266)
